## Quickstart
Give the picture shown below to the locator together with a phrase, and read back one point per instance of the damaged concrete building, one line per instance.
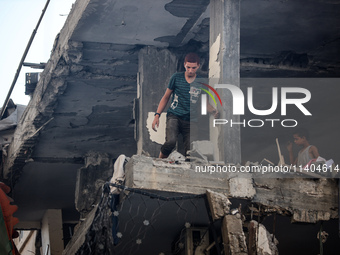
(96, 97)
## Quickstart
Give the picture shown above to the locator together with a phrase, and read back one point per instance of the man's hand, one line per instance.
(155, 123)
(215, 113)
(212, 110)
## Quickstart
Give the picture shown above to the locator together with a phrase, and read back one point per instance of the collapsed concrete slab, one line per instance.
(154, 174)
(307, 200)
(150, 182)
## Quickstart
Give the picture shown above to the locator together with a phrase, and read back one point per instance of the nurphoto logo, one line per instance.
(238, 105)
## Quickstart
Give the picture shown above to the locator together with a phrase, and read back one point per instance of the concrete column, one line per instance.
(52, 233)
(224, 68)
(155, 69)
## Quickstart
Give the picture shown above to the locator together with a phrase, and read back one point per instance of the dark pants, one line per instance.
(174, 127)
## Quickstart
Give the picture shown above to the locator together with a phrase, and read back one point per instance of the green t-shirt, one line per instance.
(186, 98)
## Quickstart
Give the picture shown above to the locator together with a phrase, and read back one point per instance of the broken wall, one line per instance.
(156, 66)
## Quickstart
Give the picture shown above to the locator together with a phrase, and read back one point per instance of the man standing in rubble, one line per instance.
(182, 110)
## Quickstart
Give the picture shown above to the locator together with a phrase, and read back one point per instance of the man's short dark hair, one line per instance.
(302, 132)
(192, 58)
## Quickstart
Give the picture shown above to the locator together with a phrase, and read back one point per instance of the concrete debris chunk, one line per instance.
(234, 240)
(159, 174)
(219, 204)
(242, 187)
(248, 163)
(234, 211)
(176, 156)
(310, 216)
(261, 242)
(196, 154)
(324, 236)
(205, 147)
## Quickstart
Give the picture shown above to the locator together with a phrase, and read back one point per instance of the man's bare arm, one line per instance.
(164, 101)
(313, 151)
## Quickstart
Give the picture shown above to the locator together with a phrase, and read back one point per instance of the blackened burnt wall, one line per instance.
(95, 110)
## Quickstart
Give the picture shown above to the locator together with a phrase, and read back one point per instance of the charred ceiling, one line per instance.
(298, 38)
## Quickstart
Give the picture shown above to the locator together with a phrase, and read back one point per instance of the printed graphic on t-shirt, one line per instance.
(174, 102)
(194, 94)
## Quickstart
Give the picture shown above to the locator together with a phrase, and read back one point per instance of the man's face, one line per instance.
(191, 68)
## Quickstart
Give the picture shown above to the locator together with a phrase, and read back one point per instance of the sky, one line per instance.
(18, 20)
